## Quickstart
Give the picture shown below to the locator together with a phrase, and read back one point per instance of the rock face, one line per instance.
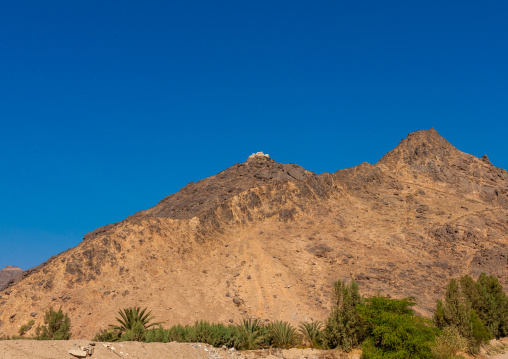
(7, 274)
(268, 240)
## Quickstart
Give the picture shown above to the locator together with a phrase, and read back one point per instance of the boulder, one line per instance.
(78, 353)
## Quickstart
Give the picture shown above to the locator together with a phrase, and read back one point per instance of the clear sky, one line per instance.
(107, 107)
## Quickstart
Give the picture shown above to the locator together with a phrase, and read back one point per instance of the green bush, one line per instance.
(179, 333)
(488, 299)
(216, 335)
(107, 335)
(457, 312)
(394, 331)
(449, 344)
(200, 332)
(135, 333)
(57, 326)
(312, 334)
(283, 335)
(25, 327)
(159, 334)
(344, 327)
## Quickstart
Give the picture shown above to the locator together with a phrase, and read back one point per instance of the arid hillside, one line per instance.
(267, 240)
(7, 274)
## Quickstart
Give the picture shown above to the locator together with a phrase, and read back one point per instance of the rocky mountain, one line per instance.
(7, 274)
(268, 240)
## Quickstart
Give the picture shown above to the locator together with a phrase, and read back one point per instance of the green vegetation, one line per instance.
(477, 310)
(489, 301)
(216, 335)
(106, 335)
(283, 335)
(134, 324)
(393, 331)
(57, 326)
(312, 334)
(133, 320)
(344, 327)
(471, 313)
(252, 334)
(26, 327)
(248, 335)
(383, 327)
(449, 344)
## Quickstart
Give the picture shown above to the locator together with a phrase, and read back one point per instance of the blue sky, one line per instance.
(107, 107)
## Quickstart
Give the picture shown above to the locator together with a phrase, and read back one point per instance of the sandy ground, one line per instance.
(33, 349)
(500, 345)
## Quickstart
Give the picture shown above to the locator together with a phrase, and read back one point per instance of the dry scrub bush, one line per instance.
(57, 326)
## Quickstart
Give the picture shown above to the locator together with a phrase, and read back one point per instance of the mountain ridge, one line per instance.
(275, 237)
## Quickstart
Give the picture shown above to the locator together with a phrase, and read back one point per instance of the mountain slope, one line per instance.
(268, 240)
(7, 274)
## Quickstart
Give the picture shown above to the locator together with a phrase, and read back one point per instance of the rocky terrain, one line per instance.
(7, 274)
(268, 240)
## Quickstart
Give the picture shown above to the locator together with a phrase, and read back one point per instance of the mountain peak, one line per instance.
(7, 274)
(197, 198)
(12, 268)
(418, 148)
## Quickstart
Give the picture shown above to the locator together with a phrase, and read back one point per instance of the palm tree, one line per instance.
(312, 333)
(283, 335)
(252, 334)
(131, 316)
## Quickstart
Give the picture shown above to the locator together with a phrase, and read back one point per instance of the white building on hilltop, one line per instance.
(259, 154)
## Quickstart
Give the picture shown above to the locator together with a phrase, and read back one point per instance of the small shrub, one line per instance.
(449, 344)
(223, 335)
(107, 335)
(136, 333)
(26, 327)
(201, 332)
(159, 334)
(216, 335)
(312, 334)
(57, 326)
(179, 333)
(283, 335)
